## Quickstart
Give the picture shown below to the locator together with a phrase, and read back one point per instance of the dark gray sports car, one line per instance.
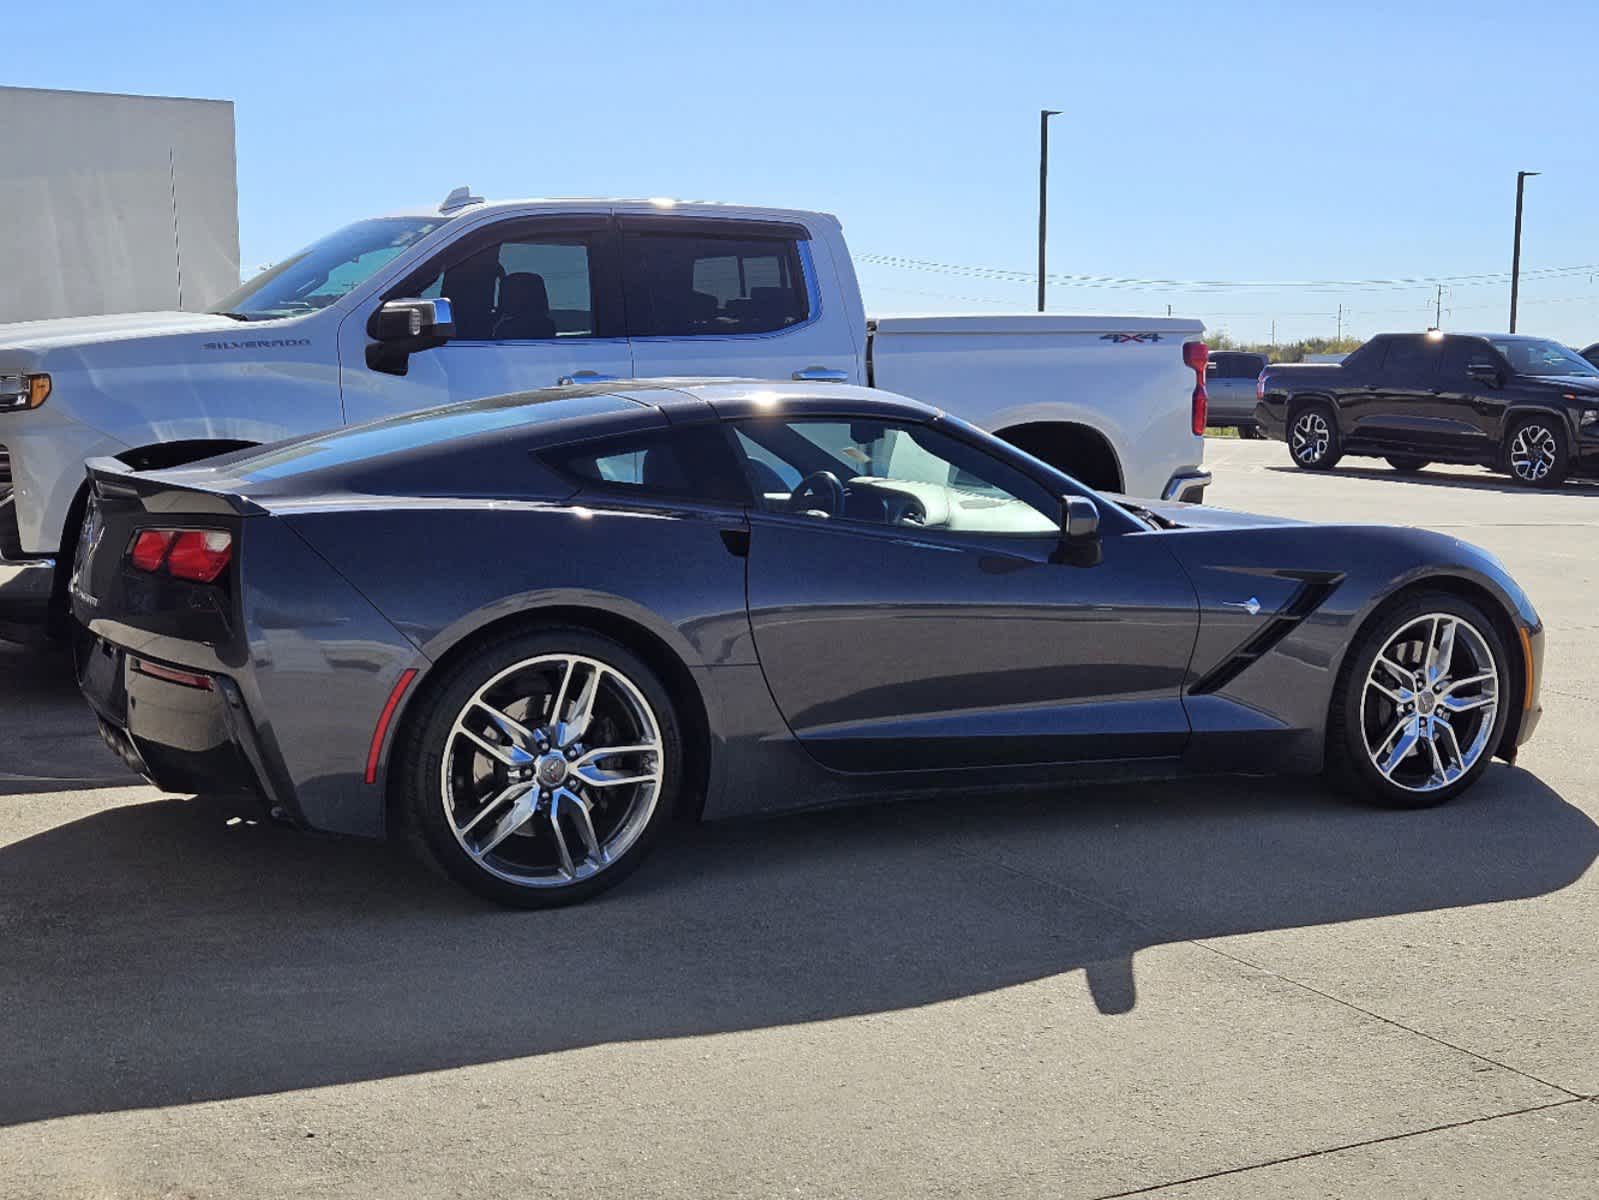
(529, 630)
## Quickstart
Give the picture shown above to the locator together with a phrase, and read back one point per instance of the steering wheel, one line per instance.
(823, 486)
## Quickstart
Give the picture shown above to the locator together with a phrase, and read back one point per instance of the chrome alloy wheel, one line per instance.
(1310, 438)
(1533, 452)
(552, 770)
(1429, 703)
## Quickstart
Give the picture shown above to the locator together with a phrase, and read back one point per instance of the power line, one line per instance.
(1132, 283)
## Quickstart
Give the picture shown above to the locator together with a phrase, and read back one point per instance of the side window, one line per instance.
(888, 473)
(1459, 352)
(692, 463)
(705, 285)
(529, 288)
(1409, 358)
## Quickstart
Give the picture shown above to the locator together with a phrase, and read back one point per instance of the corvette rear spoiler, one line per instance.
(111, 479)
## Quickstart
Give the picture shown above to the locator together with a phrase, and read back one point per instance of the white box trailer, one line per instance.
(114, 203)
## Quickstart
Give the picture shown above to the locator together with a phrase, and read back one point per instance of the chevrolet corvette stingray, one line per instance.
(528, 631)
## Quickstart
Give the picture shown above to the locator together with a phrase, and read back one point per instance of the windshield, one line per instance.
(326, 269)
(1529, 357)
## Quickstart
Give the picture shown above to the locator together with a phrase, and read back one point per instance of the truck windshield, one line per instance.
(1529, 357)
(326, 269)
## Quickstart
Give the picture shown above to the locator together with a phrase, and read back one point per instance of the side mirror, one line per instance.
(401, 328)
(1484, 371)
(1079, 532)
(1079, 519)
(411, 320)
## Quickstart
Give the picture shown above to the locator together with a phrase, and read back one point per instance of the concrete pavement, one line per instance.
(1231, 988)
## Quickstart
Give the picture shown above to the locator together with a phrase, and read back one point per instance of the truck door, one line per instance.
(713, 296)
(1404, 411)
(1471, 411)
(536, 300)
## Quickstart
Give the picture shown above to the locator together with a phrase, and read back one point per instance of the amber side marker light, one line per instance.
(387, 715)
(1526, 658)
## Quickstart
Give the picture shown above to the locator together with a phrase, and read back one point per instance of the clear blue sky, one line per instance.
(1227, 141)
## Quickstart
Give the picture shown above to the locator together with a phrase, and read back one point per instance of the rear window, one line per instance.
(430, 427)
(702, 285)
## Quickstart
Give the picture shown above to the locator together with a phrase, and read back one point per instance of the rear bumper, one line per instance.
(1270, 420)
(194, 737)
(1187, 485)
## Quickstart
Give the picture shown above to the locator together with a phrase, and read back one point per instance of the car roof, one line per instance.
(657, 205)
(731, 399)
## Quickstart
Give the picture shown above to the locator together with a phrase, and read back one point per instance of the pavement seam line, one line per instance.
(1172, 939)
(1377, 1141)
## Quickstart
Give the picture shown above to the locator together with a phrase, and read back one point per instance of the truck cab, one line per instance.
(418, 309)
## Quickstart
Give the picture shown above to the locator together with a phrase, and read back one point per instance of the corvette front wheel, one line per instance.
(1421, 703)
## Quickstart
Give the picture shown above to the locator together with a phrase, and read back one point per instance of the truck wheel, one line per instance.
(1535, 453)
(1408, 464)
(1313, 439)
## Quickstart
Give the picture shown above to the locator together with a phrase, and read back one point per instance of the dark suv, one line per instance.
(1523, 405)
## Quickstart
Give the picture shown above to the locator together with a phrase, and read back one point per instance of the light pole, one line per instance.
(1515, 254)
(1044, 114)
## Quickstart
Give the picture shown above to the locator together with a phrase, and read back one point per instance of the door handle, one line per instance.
(820, 375)
(585, 377)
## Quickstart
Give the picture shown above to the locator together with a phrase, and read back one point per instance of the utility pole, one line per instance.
(1438, 309)
(1340, 323)
(1515, 254)
(1168, 310)
(1044, 114)
(1273, 333)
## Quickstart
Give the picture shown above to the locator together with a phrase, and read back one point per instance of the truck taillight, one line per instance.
(1195, 356)
(1260, 386)
(196, 555)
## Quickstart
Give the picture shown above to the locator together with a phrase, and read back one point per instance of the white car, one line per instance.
(406, 312)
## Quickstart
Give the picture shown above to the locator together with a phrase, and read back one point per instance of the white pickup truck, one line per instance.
(525, 294)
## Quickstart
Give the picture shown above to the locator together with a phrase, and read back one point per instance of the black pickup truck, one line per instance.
(1523, 405)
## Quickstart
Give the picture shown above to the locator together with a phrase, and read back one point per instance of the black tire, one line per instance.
(1313, 439)
(1408, 464)
(428, 738)
(1351, 721)
(1536, 452)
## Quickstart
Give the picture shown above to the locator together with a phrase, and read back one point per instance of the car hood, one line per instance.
(70, 332)
(1588, 385)
(1198, 516)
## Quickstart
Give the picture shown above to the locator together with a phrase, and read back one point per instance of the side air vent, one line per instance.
(1307, 598)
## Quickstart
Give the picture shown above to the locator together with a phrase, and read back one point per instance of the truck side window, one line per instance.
(522, 289)
(1412, 357)
(705, 285)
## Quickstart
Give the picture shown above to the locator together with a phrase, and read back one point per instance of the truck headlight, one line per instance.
(23, 390)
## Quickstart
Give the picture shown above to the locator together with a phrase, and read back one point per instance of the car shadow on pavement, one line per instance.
(1484, 482)
(168, 952)
(49, 732)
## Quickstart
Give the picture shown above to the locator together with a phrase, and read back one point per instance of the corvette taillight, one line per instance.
(1195, 356)
(197, 555)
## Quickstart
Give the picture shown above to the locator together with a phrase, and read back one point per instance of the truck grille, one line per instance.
(10, 539)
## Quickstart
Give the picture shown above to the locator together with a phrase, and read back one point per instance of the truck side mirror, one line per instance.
(1484, 371)
(401, 328)
(1079, 532)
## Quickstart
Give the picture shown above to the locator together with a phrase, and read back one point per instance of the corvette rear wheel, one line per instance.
(1420, 703)
(545, 766)
(1313, 439)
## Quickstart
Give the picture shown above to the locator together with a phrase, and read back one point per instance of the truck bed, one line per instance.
(1122, 375)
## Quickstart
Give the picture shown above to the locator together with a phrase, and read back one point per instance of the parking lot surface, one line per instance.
(1238, 987)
